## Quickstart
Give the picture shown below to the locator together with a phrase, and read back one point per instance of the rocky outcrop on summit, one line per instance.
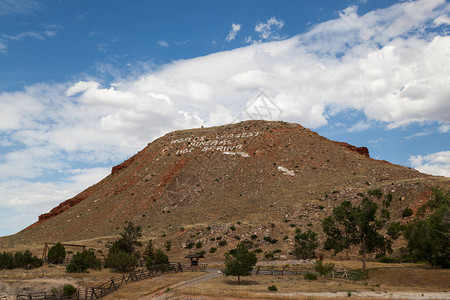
(361, 150)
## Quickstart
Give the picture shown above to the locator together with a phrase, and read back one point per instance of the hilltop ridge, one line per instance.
(253, 173)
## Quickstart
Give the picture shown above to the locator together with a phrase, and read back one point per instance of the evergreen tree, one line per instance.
(159, 258)
(305, 244)
(57, 254)
(129, 239)
(240, 263)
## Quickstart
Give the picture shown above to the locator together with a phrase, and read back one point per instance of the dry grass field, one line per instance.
(382, 281)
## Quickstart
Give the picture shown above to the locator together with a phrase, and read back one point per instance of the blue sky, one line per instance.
(86, 84)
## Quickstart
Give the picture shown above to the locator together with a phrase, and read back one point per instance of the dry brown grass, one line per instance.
(149, 286)
(382, 281)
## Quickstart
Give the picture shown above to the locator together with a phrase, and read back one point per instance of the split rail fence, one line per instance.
(295, 271)
(106, 288)
(99, 291)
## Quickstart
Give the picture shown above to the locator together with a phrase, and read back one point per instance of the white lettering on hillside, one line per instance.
(230, 144)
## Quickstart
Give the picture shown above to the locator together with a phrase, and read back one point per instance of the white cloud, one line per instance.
(234, 30)
(434, 164)
(359, 126)
(43, 35)
(419, 134)
(376, 64)
(442, 20)
(3, 47)
(18, 7)
(162, 43)
(25, 200)
(444, 128)
(31, 34)
(269, 29)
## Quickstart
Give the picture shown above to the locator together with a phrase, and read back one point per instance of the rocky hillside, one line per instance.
(232, 181)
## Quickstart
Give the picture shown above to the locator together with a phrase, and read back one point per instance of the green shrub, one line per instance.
(158, 259)
(168, 246)
(310, 276)
(272, 288)
(56, 254)
(6, 260)
(82, 261)
(222, 243)
(26, 260)
(68, 290)
(247, 244)
(233, 228)
(213, 250)
(389, 260)
(121, 261)
(190, 245)
(258, 250)
(375, 192)
(407, 212)
(198, 245)
(269, 256)
(270, 240)
(254, 237)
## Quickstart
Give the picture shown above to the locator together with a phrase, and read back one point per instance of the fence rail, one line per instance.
(290, 271)
(106, 288)
(41, 296)
(99, 291)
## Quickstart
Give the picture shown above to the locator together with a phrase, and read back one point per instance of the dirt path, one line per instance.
(211, 274)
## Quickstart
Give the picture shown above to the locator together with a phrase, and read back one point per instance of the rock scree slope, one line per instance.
(254, 173)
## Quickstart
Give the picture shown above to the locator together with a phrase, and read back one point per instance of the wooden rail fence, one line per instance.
(294, 271)
(99, 291)
(106, 288)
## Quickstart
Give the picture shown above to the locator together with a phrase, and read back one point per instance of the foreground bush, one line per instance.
(57, 254)
(121, 261)
(23, 260)
(157, 259)
(82, 261)
(310, 276)
(68, 290)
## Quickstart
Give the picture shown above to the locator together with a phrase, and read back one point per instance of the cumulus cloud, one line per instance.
(442, 20)
(234, 30)
(269, 29)
(378, 64)
(162, 43)
(435, 164)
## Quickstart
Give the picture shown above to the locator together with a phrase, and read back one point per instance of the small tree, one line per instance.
(159, 258)
(57, 254)
(121, 261)
(354, 225)
(323, 269)
(149, 251)
(6, 260)
(129, 239)
(240, 263)
(429, 235)
(82, 261)
(305, 244)
(26, 260)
